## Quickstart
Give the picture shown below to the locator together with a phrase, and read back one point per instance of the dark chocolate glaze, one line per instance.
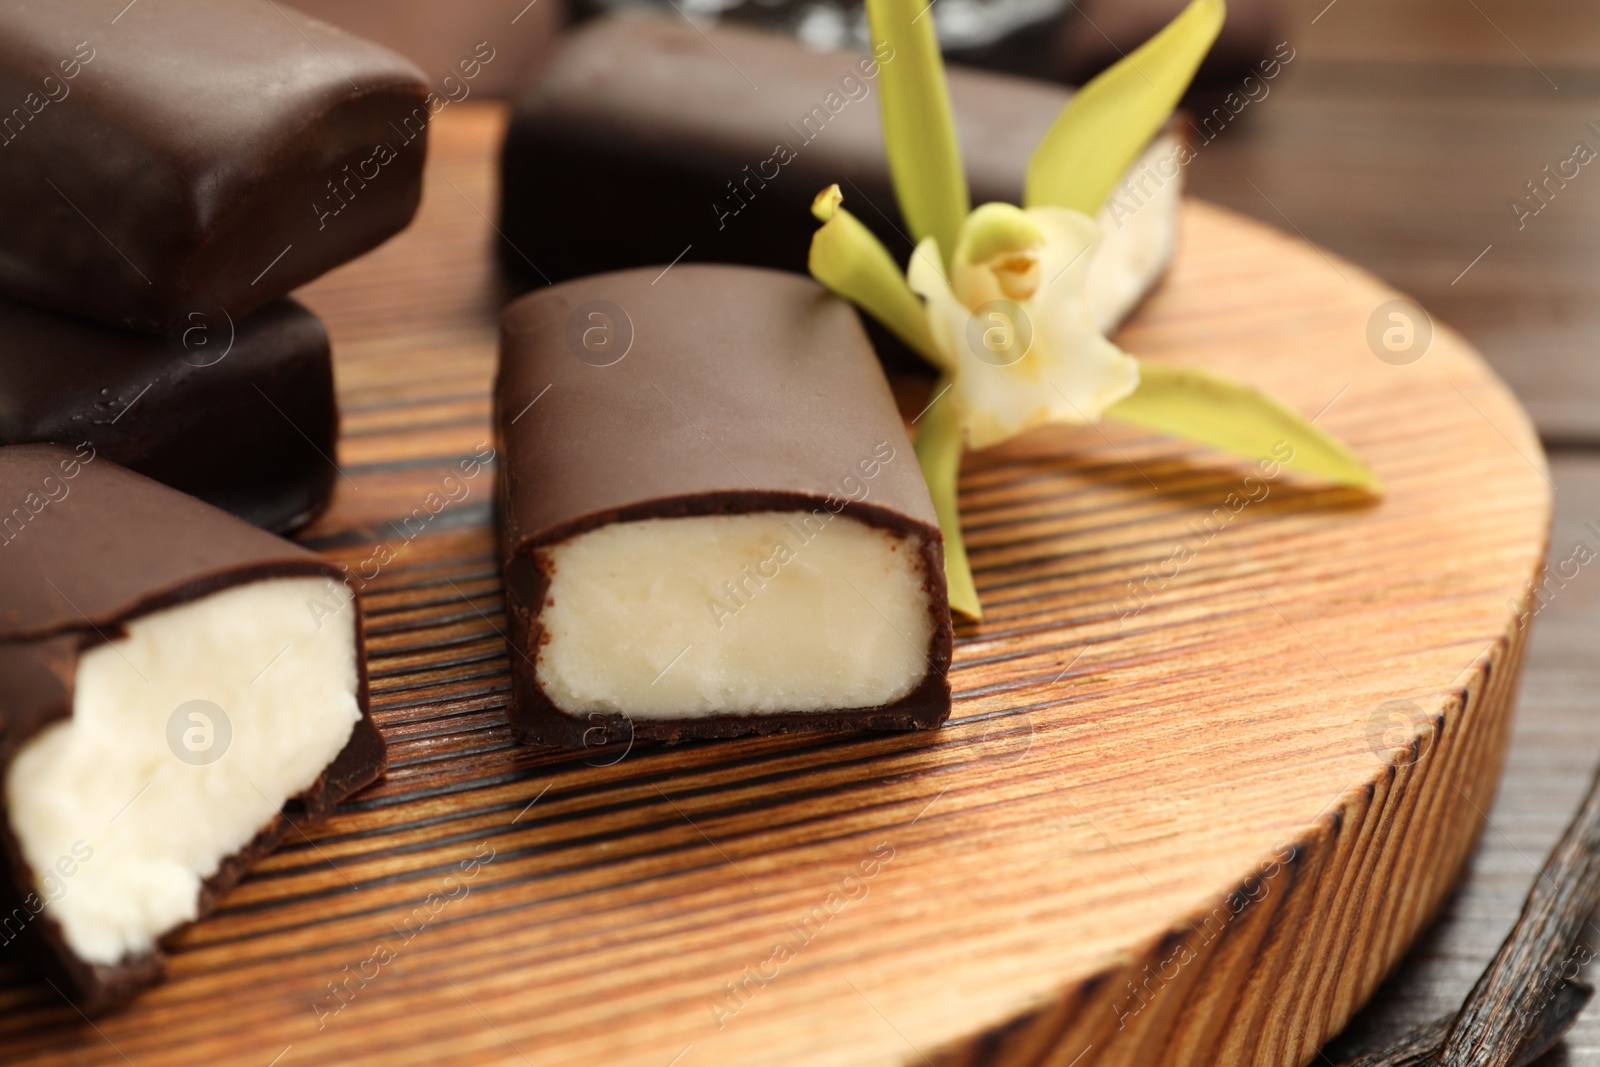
(471, 49)
(621, 152)
(162, 163)
(741, 390)
(240, 414)
(104, 546)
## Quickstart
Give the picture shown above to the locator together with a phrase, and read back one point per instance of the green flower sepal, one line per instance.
(999, 299)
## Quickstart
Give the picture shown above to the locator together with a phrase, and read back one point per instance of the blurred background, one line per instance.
(1425, 140)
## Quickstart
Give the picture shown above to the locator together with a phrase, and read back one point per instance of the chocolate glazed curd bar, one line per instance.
(191, 155)
(711, 519)
(241, 415)
(654, 141)
(175, 686)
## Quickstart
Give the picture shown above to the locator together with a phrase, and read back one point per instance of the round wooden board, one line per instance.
(1171, 835)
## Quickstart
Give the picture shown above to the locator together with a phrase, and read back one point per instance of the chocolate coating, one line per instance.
(621, 152)
(241, 414)
(105, 546)
(179, 158)
(448, 40)
(740, 390)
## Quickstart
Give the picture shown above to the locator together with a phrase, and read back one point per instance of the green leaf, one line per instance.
(1202, 405)
(939, 452)
(919, 135)
(848, 259)
(1108, 122)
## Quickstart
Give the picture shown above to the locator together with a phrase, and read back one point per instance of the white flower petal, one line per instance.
(1090, 373)
(1070, 242)
(1138, 233)
(946, 317)
(925, 273)
(1069, 372)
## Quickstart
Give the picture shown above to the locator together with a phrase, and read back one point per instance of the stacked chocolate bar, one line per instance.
(170, 175)
(177, 686)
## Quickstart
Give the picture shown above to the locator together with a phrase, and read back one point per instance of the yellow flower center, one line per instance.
(1017, 273)
(997, 257)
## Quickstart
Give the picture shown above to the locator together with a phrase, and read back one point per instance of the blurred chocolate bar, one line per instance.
(645, 141)
(1061, 40)
(191, 155)
(239, 414)
(468, 48)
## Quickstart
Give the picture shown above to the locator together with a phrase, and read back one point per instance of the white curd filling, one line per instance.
(1138, 233)
(762, 613)
(187, 736)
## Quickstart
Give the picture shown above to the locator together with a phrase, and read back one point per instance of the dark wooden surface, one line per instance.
(1398, 136)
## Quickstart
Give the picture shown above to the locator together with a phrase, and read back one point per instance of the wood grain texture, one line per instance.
(1502, 1014)
(1555, 748)
(1109, 777)
(1398, 138)
(1551, 33)
(1419, 1047)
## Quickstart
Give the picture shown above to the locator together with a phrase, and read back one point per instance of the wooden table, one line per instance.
(1399, 136)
